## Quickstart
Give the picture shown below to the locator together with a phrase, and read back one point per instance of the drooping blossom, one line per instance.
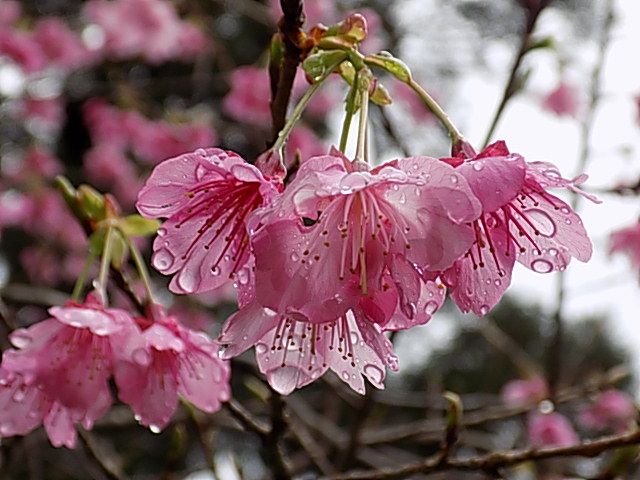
(627, 242)
(63, 364)
(332, 288)
(206, 197)
(550, 430)
(612, 409)
(562, 100)
(520, 221)
(173, 361)
(147, 28)
(519, 393)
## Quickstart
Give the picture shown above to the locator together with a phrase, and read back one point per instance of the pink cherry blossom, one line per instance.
(612, 409)
(356, 264)
(520, 221)
(173, 361)
(147, 28)
(519, 393)
(69, 359)
(562, 100)
(550, 430)
(374, 227)
(62, 47)
(627, 241)
(206, 197)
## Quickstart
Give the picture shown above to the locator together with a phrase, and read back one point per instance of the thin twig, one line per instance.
(360, 417)
(272, 445)
(246, 419)
(496, 460)
(510, 89)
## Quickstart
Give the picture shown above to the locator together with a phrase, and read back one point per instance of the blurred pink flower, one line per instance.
(10, 11)
(172, 361)
(562, 100)
(304, 141)
(316, 11)
(106, 123)
(153, 142)
(16, 208)
(107, 166)
(22, 49)
(627, 241)
(62, 47)
(147, 28)
(612, 409)
(38, 161)
(520, 393)
(550, 430)
(248, 99)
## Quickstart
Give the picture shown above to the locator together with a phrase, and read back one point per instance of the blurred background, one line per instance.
(101, 91)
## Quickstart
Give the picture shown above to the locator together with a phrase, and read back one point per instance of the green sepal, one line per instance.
(138, 226)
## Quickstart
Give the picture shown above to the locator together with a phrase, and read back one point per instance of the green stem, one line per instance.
(105, 263)
(141, 267)
(82, 279)
(362, 126)
(299, 108)
(346, 124)
(437, 110)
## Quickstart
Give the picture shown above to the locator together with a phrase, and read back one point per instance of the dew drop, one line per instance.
(478, 166)
(542, 221)
(454, 179)
(345, 375)
(431, 307)
(155, 429)
(162, 232)
(188, 280)
(261, 348)
(19, 395)
(162, 259)
(295, 257)
(374, 373)
(541, 266)
(484, 309)
(497, 282)
(200, 172)
(141, 356)
(243, 276)
(21, 339)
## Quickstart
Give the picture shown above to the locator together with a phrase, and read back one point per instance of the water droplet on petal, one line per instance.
(484, 309)
(295, 257)
(18, 395)
(155, 429)
(345, 375)
(454, 179)
(542, 221)
(478, 165)
(141, 356)
(162, 232)
(162, 260)
(21, 339)
(430, 307)
(201, 171)
(261, 348)
(243, 276)
(541, 266)
(188, 280)
(374, 373)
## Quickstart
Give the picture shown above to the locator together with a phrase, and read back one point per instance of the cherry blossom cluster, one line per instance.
(59, 372)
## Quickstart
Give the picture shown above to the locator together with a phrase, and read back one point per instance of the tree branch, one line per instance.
(290, 27)
(495, 460)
